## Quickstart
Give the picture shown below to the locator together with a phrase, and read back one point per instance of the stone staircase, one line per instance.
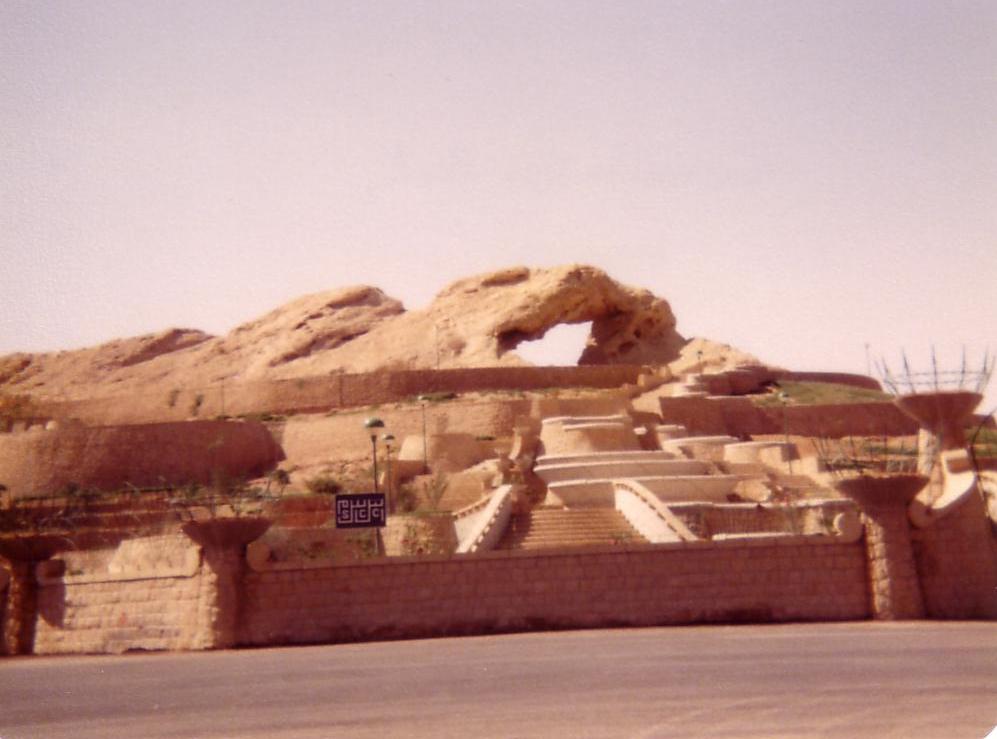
(545, 528)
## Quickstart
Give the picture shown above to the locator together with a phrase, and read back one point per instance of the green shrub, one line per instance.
(437, 397)
(323, 485)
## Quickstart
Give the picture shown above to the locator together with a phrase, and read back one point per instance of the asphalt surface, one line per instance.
(915, 679)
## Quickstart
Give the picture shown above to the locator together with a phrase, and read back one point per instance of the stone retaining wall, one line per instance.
(201, 592)
(327, 392)
(957, 561)
(760, 580)
(43, 460)
(144, 596)
(739, 416)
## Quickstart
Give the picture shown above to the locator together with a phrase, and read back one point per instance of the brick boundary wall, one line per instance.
(116, 615)
(328, 392)
(758, 579)
(765, 579)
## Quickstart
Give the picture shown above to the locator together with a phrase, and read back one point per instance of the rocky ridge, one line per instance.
(474, 322)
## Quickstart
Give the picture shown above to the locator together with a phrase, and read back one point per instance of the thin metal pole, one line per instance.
(387, 454)
(425, 451)
(373, 444)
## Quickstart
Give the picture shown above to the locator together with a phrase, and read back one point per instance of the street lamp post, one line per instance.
(784, 399)
(372, 424)
(425, 454)
(387, 439)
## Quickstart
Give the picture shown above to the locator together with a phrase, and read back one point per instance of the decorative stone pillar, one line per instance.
(943, 416)
(223, 541)
(894, 584)
(23, 553)
(953, 544)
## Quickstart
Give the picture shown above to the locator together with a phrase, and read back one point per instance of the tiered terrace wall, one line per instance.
(309, 438)
(328, 392)
(740, 416)
(837, 378)
(41, 460)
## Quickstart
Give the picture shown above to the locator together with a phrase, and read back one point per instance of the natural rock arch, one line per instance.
(629, 325)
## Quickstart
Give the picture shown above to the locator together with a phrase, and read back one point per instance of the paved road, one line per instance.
(860, 679)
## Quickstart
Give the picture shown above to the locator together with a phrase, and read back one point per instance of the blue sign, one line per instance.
(361, 511)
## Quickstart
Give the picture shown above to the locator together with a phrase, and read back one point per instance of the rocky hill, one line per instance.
(474, 322)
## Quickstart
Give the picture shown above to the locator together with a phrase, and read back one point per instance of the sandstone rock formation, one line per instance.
(474, 322)
(311, 324)
(479, 321)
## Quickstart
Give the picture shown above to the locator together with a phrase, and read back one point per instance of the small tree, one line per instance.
(435, 487)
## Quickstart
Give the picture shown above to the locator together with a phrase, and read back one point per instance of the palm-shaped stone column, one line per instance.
(942, 416)
(896, 591)
(953, 543)
(223, 541)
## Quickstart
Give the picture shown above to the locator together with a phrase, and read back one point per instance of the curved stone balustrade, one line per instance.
(648, 515)
(958, 482)
(482, 530)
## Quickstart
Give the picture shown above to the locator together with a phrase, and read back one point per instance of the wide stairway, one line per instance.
(545, 528)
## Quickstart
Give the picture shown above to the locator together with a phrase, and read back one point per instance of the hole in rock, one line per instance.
(561, 346)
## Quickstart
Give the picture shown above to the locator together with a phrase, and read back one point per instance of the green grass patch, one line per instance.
(984, 441)
(435, 397)
(819, 393)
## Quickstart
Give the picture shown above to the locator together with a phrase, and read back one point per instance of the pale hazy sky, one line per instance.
(797, 178)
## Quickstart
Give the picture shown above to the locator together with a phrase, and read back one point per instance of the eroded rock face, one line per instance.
(479, 322)
(312, 324)
(475, 322)
(629, 325)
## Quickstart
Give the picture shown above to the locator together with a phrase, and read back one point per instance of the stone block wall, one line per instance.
(956, 560)
(765, 579)
(145, 595)
(117, 615)
(168, 592)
